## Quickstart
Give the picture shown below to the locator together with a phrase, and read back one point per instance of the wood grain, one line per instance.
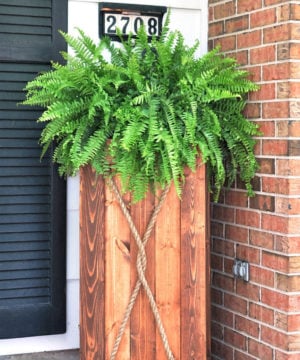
(92, 252)
(117, 273)
(194, 266)
(168, 273)
(143, 337)
(177, 271)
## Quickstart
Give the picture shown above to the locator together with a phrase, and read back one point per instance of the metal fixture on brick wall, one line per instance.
(240, 269)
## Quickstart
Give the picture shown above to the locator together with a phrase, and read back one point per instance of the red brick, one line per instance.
(279, 71)
(266, 92)
(275, 299)
(276, 110)
(276, 33)
(248, 253)
(249, 39)
(275, 147)
(216, 297)
(254, 75)
(294, 50)
(288, 167)
(238, 355)
(286, 356)
(216, 262)
(247, 290)
(293, 147)
(289, 206)
(261, 351)
(266, 166)
(275, 185)
(216, 29)
(255, 182)
(258, 147)
(223, 213)
(236, 198)
(210, 45)
(273, 2)
(235, 303)
(222, 315)
(275, 338)
(237, 24)
(283, 90)
(262, 276)
(287, 244)
(295, 12)
(283, 51)
(294, 303)
(262, 239)
(293, 322)
(226, 43)
(210, 12)
(248, 218)
(241, 57)
(283, 13)
(263, 202)
(237, 233)
(294, 88)
(262, 18)
(275, 261)
(294, 128)
(217, 229)
(252, 111)
(244, 6)
(294, 265)
(217, 330)
(295, 109)
(228, 264)
(222, 281)
(294, 224)
(288, 283)
(235, 339)
(282, 128)
(262, 55)
(224, 10)
(248, 326)
(261, 313)
(275, 223)
(222, 350)
(281, 321)
(223, 247)
(295, 31)
(295, 69)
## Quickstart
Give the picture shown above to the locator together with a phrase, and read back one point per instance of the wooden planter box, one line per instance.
(177, 271)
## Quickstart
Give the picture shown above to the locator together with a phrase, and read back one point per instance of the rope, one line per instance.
(141, 268)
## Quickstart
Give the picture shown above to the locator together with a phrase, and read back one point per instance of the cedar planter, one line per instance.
(177, 272)
(150, 110)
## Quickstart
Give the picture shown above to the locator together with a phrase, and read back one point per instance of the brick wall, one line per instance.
(261, 319)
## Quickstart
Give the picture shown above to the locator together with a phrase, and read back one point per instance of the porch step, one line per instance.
(55, 355)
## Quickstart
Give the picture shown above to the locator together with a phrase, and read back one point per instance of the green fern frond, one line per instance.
(145, 110)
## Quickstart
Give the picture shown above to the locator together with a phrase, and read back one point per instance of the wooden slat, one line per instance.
(117, 274)
(194, 266)
(92, 255)
(168, 273)
(177, 272)
(143, 337)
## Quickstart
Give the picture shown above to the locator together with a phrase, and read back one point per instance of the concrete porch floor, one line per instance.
(55, 355)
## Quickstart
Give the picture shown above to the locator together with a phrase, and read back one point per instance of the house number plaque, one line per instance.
(128, 18)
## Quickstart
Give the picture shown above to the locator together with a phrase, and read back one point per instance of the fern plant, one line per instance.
(145, 110)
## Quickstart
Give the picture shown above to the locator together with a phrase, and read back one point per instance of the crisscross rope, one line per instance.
(141, 265)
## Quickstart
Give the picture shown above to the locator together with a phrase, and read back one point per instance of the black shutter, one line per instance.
(32, 196)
